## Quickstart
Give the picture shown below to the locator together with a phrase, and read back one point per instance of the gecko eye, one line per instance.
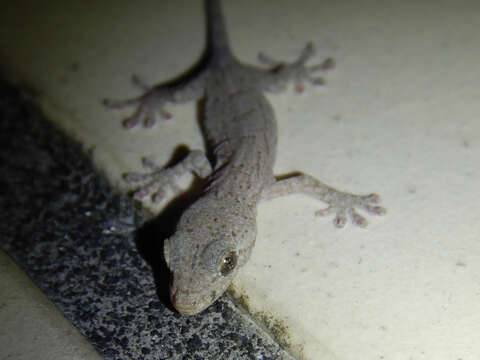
(220, 257)
(229, 262)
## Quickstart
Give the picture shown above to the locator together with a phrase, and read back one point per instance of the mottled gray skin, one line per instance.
(223, 221)
(216, 234)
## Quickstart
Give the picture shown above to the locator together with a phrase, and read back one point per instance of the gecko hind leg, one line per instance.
(340, 203)
(282, 72)
(157, 179)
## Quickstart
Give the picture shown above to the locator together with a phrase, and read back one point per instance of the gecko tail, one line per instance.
(217, 36)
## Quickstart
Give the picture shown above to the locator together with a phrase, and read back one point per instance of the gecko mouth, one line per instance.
(187, 303)
(185, 306)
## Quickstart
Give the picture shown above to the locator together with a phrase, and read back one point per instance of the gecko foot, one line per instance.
(149, 106)
(297, 70)
(343, 206)
(157, 180)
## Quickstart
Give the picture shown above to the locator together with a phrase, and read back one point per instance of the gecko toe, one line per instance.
(112, 104)
(357, 219)
(131, 122)
(166, 115)
(299, 87)
(369, 204)
(340, 221)
(326, 211)
(141, 193)
(138, 82)
(159, 196)
(268, 60)
(151, 188)
(328, 64)
(307, 52)
(149, 121)
(149, 164)
(134, 177)
(371, 198)
(318, 81)
(375, 210)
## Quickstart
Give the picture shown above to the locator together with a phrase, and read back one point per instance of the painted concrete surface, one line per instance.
(89, 250)
(32, 327)
(398, 117)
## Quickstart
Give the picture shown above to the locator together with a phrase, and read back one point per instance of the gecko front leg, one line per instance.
(340, 203)
(152, 102)
(156, 180)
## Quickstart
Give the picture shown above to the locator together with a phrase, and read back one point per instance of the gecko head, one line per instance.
(205, 254)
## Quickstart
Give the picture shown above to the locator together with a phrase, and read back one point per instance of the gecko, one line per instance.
(215, 235)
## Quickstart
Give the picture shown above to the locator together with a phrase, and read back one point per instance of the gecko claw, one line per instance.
(149, 122)
(149, 163)
(134, 178)
(369, 204)
(153, 189)
(318, 81)
(357, 219)
(371, 198)
(159, 196)
(326, 65)
(138, 82)
(376, 210)
(268, 60)
(299, 88)
(324, 212)
(141, 193)
(307, 52)
(131, 122)
(339, 221)
(166, 115)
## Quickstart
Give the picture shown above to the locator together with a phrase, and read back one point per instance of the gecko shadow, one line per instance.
(150, 237)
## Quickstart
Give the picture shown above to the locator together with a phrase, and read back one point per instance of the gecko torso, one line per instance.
(216, 234)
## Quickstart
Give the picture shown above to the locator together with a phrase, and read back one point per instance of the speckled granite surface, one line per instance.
(74, 237)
